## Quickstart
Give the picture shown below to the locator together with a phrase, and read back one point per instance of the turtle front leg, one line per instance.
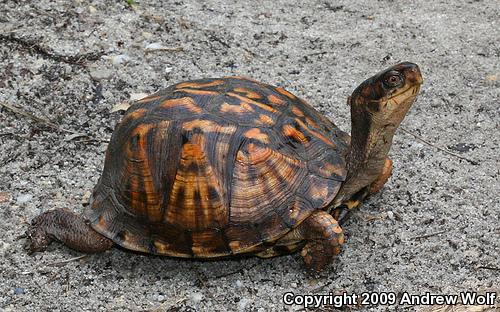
(324, 239)
(382, 178)
(341, 212)
(67, 227)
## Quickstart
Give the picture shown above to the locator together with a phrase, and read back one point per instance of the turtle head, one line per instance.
(378, 106)
(386, 97)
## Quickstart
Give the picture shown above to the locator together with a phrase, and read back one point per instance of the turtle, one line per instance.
(221, 167)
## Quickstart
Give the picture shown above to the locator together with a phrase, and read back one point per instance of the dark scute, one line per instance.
(164, 149)
(120, 236)
(212, 192)
(185, 138)
(193, 167)
(134, 142)
(179, 200)
(188, 238)
(197, 196)
(152, 248)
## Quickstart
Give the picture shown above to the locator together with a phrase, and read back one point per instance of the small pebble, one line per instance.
(147, 35)
(243, 303)
(101, 74)
(390, 215)
(5, 197)
(86, 197)
(154, 46)
(492, 77)
(160, 298)
(239, 284)
(4, 247)
(19, 290)
(158, 18)
(118, 59)
(24, 198)
(196, 297)
(472, 253)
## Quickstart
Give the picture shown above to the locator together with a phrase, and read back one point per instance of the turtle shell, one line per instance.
(215, 167)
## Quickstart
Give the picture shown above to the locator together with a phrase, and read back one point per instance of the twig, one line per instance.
(78, 59)
(444, 150)
(239, 271)
(374, 218)
(167, 305)
(165, 49)
(428, 235)
(11, 32)
(66, 261)
(317, 53)
(320, 288)
(214, 37)
(201, 278)
(44, 121)
(50, 124)
(11, 157)
(68, 285)
(92, 140)
(8, 303)
(487, 268)
(253, 54)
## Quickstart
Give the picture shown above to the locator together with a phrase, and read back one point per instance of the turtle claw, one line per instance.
(325, 239)
(317, 256)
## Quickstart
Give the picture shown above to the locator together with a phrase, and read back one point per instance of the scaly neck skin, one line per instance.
(371, 140)
(378, 106)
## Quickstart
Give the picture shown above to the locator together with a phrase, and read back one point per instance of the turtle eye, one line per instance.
(393, 80)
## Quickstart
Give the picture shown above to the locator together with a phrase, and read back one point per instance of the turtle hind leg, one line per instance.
(324, 239)
(68, 228)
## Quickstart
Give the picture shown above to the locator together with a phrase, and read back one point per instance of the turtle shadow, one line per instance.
(123, 263)
(200, 272)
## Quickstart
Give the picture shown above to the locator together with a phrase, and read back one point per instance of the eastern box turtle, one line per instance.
(220, 167)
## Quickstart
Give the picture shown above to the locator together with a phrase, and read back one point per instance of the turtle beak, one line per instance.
(412, 73)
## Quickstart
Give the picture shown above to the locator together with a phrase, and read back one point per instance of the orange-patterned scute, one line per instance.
(215, 167)
(196, 200)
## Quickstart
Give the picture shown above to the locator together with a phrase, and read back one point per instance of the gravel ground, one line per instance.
(434, 228)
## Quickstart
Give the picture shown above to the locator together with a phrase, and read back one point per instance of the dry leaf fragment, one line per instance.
(123, 106)
(5, 197)
(492, 77)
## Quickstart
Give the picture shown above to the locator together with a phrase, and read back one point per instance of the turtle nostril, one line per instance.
(413, 74)
(413, 69)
